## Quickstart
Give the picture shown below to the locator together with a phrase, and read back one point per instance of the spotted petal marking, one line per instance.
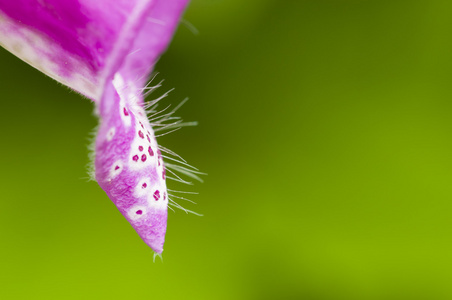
(127, 165)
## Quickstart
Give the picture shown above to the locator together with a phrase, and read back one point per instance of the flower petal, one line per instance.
(128, 167)
(82, 43)
(105, 50)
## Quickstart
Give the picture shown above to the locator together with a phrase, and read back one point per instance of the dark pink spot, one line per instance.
(159, 156)
(141, 134)
(139, 212)
(164, 196)
(140, 148)
(117, 167)
(141, 125)
(163, 173)
(151, 153)
(157, 195)
(149, 140)
(144, 185)
(135, 158)
(143, 157)
(126, 113)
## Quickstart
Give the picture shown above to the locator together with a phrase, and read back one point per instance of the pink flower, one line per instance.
(106, 50)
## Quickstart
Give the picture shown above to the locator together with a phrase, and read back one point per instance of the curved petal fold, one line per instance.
(82, 43)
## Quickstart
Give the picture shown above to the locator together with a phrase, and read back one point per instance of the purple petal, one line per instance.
(133, 179)
(82, 43)
(105, 50)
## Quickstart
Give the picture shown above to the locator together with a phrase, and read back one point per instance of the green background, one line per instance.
(326, 131)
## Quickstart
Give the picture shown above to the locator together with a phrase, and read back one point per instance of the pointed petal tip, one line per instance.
(127, 168)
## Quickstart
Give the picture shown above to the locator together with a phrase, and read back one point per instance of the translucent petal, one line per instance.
(83, 43)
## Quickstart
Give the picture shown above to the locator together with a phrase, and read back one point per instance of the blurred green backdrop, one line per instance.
(326, 131)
